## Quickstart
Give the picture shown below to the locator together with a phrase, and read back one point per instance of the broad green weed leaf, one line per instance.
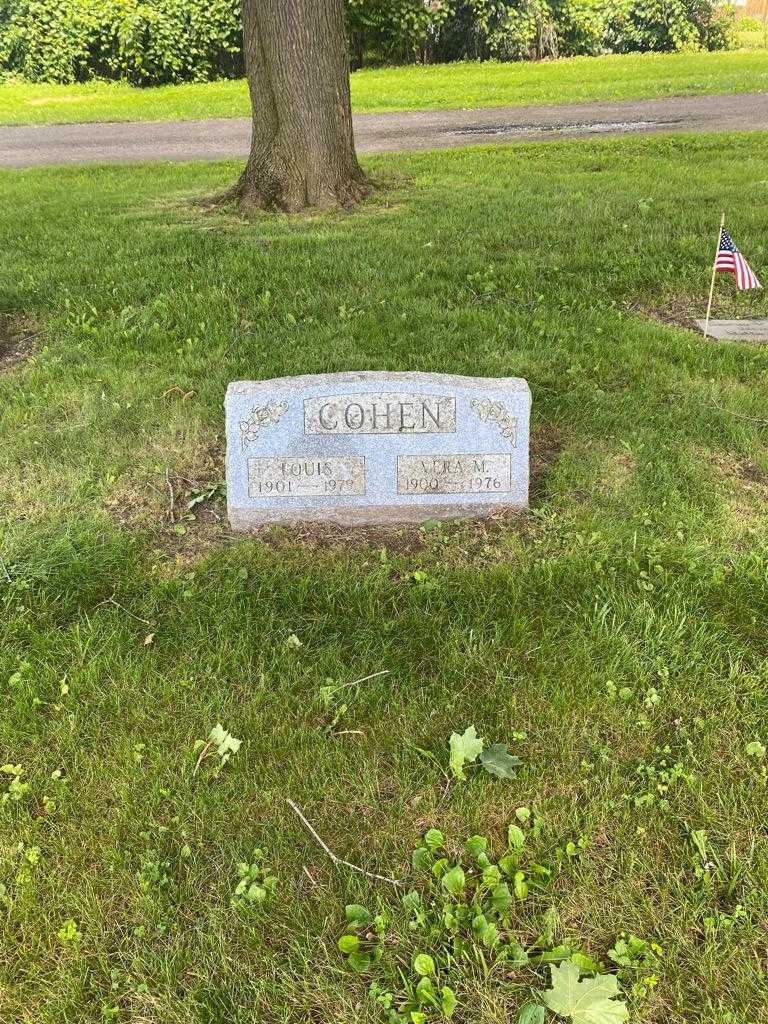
(501, 899)
(449, 1001)
(359, 962)
(498, 761)
(476, 845)
(453, 881)
(555, 955)
(349, 943)
(356, 915)
(434, 839)
(425, 992)
(585, 1000)
(531, 1013)
(491, 875)
(508, 864)
(439, 867)
(69, 932)
(421, 859)
(465, 749)
(586, 964)
(226, 744)
(516, 837)
(423, 964)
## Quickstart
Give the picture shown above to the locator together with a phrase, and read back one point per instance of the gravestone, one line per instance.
(755, 331)
(375, 447)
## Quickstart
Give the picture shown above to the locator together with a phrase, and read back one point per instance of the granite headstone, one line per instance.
(375, 447)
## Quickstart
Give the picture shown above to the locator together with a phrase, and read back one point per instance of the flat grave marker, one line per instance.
(375, 447)
(755, 331)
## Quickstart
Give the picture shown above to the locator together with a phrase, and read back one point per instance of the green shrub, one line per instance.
(749, 24)
(582, 25)
(150, 42)
(143, 43)
(396, 30)
(672, 25)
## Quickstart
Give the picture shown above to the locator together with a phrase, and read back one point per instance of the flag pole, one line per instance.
(714, 271)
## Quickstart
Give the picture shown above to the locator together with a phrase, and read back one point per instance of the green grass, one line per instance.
(642, 563)
(577, 80)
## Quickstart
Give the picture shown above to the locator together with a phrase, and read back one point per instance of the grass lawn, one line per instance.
(614, 637)
(579, 79)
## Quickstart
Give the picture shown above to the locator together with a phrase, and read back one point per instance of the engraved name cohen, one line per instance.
(382, 413)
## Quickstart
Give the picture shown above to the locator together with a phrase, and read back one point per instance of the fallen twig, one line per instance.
(176, 390)
(363, 679)
(172, 508)
(203, 754)
(338, 861)
(740, 415)
(309, 875)
(111, 600)
(30, 337)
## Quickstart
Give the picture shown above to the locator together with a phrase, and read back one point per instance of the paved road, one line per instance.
(440, 129)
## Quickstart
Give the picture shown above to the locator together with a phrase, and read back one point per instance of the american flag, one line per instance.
(730, 261)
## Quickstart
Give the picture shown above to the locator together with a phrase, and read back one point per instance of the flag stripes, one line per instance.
(730, 261)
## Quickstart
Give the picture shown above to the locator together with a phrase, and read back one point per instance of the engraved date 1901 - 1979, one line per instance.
(291, 477)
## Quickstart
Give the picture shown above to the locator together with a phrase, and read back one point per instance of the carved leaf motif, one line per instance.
(496, 412)
(260, 415)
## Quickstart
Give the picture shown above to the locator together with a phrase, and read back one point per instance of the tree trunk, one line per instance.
(358, 49)
(302, 147)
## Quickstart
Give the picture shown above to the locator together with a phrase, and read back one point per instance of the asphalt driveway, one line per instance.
(118, 142)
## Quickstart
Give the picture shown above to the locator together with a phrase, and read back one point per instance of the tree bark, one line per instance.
(302, 146)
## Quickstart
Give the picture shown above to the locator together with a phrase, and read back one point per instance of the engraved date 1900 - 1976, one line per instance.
(454, 474)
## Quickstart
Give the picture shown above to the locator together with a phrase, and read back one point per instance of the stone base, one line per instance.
(246, 520)
(754, 331)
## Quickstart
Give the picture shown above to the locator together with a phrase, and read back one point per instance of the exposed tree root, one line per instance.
(260, 192)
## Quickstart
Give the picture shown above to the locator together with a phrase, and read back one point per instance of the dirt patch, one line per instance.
(746, 486)
(16, 337)
(617, 472)
(547, 441)
(183, 510)
(734, 468)
(451, 539)
(684, 310)
(675, 311)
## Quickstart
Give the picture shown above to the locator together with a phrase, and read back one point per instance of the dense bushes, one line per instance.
(523, 29)
(149, 42)
(146, 43)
